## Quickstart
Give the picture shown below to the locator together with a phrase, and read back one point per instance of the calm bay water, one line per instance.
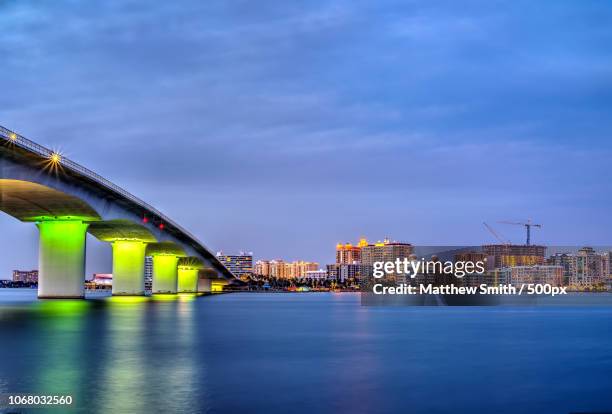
(304, 353)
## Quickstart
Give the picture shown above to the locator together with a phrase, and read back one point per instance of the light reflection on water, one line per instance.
(113, 354)
(302, 353)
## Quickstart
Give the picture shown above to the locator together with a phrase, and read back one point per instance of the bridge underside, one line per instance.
(63, 221)
(27, 201)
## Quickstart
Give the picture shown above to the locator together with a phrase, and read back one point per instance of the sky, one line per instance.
(283, 128)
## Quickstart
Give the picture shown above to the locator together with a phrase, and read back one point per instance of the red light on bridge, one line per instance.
(161, 226)
(145, 220)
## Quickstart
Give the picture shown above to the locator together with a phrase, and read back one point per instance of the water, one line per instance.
(304, 353)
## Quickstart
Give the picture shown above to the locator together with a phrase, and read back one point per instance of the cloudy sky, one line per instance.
(285, 127)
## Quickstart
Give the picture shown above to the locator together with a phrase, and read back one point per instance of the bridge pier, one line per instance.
(206, 285)
(61, 259)
(128, 267)
(187, 279)
(188, 273)
(165, 273)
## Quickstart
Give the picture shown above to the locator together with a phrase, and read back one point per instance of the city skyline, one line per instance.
(374, 120)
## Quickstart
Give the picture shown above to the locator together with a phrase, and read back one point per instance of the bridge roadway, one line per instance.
(66, 201)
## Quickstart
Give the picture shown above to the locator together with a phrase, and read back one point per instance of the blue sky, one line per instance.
(285, 127)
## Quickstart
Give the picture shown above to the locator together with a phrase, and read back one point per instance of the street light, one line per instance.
(55, 157)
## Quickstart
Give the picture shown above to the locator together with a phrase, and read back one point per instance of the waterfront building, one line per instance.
(299, 268)
(342, 272)
(518, 275)
(278, 269)
(284, 270)
(385, 251)
(567, 261)
(27, 276)
(509, 255)
(591, 268)
(262, 268)
(320, 274)
(241, 265)
(348, 254)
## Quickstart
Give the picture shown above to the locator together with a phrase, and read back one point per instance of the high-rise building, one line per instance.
(262, 268)
(298, 269)
(241, 265)
(341, 272)
(385, 251)
(591, 268)
(284, 270)
(566, 261)
(517, 275)
(27, 276)
(348, 254)
(508, 255)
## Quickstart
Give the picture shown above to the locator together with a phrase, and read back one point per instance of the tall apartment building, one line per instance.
(567, 262)
(385, 251)
(340, 272)
(262, 268)
(27, 276)
(284, 270)
(591, 268)
(586, 268)
(241, 265)
(518, 275)
(348, 254)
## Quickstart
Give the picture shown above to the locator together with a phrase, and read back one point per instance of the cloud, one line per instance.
(465, 107)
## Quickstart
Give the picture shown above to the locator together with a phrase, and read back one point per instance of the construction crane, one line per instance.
(528, 225)
(494, 233)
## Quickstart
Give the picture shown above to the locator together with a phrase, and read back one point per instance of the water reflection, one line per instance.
(115, 354)
(303, 353)
(122, 367)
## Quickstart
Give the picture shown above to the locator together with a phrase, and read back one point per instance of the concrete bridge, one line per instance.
(66, 201)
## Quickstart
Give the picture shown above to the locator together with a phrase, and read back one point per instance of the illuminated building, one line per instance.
(299, 269)
(517, 275)
(284, 270)
(241, 265)
(316, 274)
(341, 272)
(509, 255)
(386, 251)
(278, 269)
(591, 268)
(28, 276)
(262, 268)
(567, 262)
(348, 254)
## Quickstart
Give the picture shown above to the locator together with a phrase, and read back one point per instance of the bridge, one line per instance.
(66, 201)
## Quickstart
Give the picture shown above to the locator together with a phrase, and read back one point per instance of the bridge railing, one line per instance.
(22, 142)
